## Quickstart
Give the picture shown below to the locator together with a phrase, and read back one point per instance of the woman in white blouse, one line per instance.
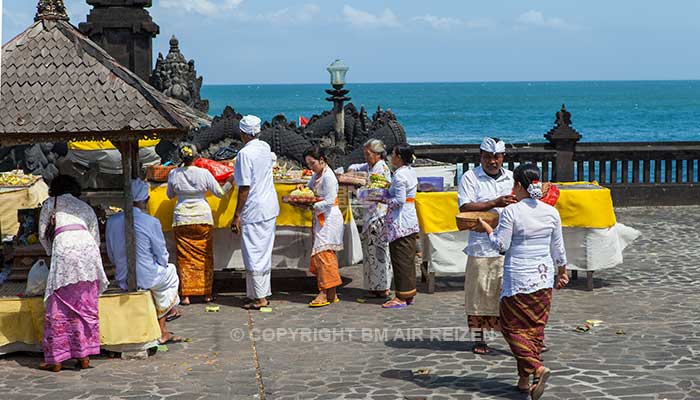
(193, 224)
(401, 227)
(529, 233)
(375, 260)
(327, 228)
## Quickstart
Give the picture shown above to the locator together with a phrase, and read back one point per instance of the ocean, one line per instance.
(518, 112)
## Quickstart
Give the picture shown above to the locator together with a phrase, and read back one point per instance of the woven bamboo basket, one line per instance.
(469, 221)
(158, 173)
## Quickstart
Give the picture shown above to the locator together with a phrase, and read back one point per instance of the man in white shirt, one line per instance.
(256, 211)
(487, 187)
(153, 272)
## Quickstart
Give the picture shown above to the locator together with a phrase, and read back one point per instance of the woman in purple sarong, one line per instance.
(76, 277)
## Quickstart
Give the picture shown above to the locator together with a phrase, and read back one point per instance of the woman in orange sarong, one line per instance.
(327, 228)
(193, 225)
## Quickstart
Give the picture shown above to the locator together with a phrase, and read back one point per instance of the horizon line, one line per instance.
(448, 82)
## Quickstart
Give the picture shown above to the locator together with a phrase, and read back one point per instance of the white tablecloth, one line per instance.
(292, 248)
(586, 249)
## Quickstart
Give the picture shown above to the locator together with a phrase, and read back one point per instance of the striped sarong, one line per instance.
(523, 318)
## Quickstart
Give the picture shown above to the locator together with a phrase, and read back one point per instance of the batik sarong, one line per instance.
(523, 318)
(403, 262)
(72, 323)
(376, 262)
(195, 259)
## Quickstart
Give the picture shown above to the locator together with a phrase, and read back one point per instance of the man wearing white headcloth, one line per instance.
(256, 211)
(153, 272)
(487, 187)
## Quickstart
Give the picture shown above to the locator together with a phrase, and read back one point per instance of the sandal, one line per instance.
(83, 363)
(173, 315)
(376, 294)
(481, 348)
(255, 306)
(50, 367)
(538, 383)
(171, 339)
(395, 303)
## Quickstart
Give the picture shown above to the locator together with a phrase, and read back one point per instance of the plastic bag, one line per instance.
(36, 280)
(221, 172)
(551, 194)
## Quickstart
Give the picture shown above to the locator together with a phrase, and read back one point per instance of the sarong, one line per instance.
(403, 262)
(257, 286)
(195, 259)
(523, 318)
(72, 323)
(482, 287)
(164, 293)
(257, 243)
(325, 266)
(376, 262)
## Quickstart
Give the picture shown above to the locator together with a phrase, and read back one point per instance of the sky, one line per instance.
(290, 41)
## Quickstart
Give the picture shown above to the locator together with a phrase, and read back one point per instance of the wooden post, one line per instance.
(126, 149)
(135, 162)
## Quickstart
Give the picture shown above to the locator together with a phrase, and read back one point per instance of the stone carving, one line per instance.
(177, 78)
(51, 9)
(385, 127)
(563, 117)
(285, 139)
(289, 141)
(125, 29)
(563, 131)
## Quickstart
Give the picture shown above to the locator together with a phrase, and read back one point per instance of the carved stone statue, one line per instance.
(177, 78)
(563, 117)
(285, 139)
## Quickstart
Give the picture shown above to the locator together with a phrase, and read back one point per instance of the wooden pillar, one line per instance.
(135, 161)
(127, 150)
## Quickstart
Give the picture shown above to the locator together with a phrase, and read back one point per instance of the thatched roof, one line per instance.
(58, 85)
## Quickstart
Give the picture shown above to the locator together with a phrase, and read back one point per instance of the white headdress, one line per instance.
(250, 125)
(492, 146)
(139, 190)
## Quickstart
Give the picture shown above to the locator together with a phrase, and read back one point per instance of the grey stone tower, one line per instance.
(125, 30)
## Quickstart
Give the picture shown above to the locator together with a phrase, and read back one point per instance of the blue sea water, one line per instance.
(514, 111)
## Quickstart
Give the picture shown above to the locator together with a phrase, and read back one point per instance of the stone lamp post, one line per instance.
(337, 70)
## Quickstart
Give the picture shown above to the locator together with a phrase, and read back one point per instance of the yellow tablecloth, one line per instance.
(106, 145)
(125, 318)
(222, 209)
(579, 208)
(13, 199)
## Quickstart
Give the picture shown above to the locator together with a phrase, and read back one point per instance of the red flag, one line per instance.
(303, 121)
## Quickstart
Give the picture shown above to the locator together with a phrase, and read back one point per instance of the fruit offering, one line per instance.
(377, 181)
(353, 178)
(301, 196)
(17, 178)
(305, 192)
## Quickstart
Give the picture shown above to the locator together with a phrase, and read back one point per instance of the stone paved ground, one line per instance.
(653, 297)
